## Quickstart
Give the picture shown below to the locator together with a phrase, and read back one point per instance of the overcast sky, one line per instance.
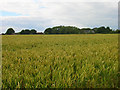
(41, 14)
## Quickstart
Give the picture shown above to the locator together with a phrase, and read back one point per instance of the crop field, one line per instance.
(60, 61)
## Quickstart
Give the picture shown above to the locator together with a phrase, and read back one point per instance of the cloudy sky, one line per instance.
(41, 14)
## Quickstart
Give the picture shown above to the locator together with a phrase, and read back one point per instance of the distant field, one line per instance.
(83, 61)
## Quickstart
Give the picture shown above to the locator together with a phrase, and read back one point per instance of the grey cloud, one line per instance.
(26, 23)
(89, 14)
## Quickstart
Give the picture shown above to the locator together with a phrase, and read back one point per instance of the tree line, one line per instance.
(65, 30)
(11, 31)
(75, 30)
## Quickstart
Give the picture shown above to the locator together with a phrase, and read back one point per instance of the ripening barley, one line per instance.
(61, 61)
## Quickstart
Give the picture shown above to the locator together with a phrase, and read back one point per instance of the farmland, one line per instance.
(60, 61)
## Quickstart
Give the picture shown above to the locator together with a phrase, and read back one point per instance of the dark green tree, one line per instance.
(33, 31)
(103, 30)
(22, 32)
(10, 31)
(62, 30)
(85, 30)
(26, 31)
(108, 30)
(117, 31)
(48, 31)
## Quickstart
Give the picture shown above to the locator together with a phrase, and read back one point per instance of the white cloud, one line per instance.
(41, 14)
(32, 7)
(19, 6)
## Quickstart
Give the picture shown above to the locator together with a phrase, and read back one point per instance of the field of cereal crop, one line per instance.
(60, 61)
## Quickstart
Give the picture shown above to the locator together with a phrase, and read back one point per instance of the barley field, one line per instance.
(60, 61)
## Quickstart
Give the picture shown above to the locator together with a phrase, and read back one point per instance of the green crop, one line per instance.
(60, 61)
